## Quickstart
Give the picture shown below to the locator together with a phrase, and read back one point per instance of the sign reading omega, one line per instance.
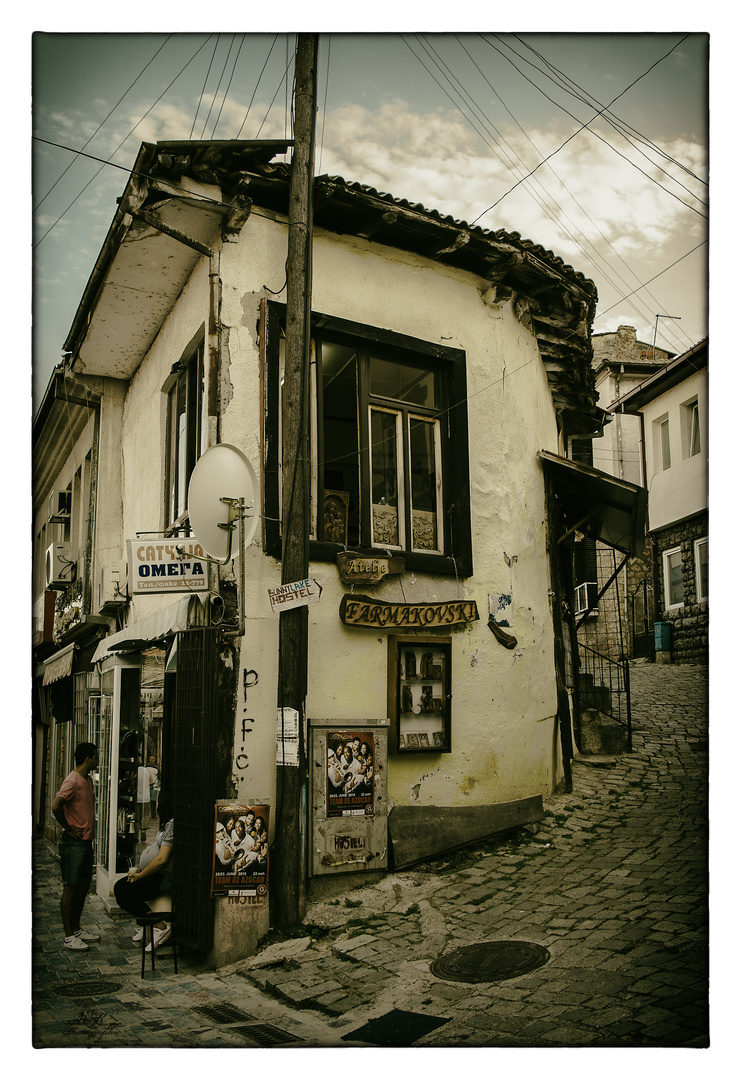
(175, 565)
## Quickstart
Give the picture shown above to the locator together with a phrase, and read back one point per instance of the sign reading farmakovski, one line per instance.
(173, 565)
(358, 610)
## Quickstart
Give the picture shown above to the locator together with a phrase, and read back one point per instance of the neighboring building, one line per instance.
(673, 408)
(450, 371)
(621, 623)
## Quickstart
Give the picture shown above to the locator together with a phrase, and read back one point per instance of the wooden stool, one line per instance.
(150, 920)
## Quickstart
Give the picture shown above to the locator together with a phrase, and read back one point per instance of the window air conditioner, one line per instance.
(60, 569)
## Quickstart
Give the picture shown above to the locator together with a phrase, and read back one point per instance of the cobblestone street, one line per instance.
(613, 883)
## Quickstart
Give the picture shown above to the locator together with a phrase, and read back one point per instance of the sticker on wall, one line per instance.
(350, 774)
(240, 861)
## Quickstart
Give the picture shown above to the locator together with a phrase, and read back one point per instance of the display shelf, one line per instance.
(419, 695)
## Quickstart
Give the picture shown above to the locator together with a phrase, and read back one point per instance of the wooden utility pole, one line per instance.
(289, 852)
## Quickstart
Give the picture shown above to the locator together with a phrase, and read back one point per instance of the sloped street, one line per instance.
(611, 886)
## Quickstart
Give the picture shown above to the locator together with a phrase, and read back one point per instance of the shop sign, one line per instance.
(364, 570)
(173, 565)
(296, 594)
(365, 611)
(240, 851)
(350, 770)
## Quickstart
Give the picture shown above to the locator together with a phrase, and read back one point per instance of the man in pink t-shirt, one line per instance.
(74, 809)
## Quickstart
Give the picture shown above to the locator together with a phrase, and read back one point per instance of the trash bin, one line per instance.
(662, 636)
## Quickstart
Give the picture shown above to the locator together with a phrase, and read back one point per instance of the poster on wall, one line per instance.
(240, 861)
(349, 773)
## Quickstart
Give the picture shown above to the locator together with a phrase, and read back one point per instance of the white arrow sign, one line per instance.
(297, 594)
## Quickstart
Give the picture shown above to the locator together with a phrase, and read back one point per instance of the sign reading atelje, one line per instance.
(358, 610)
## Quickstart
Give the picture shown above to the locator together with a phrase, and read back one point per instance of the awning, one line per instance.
(182, 615)
(59, 665)
(599, 505)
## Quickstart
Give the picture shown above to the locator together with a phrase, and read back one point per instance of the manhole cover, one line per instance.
(395, 1028)
(700, 746)
(89, 989)
(490, 961)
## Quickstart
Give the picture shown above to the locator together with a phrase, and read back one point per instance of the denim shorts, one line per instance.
(77, 860)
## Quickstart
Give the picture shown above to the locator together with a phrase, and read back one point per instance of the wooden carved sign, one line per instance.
(365, 611)
(366, 570)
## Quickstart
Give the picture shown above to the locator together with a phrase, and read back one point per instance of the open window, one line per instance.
(389, 447)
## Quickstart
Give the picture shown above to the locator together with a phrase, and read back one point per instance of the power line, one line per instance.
(203, 88)
(100, 125)
(579, 130)
(259, 77)
(228, 86)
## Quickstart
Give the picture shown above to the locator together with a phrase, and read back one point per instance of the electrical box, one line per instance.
(348, 766)
(112, 585)
(60, 569)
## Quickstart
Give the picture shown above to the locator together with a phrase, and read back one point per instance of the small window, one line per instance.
(666, 454)
(690, 429)
(673, 587)
(701, 569)
(185, 432)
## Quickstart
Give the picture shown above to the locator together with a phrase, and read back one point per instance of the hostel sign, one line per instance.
(295, 594)
(358, 610)
(173, 565)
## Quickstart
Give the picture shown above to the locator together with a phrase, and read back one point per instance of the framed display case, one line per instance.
(419, 695)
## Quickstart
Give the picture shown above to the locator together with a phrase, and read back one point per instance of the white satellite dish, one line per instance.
(221, 477)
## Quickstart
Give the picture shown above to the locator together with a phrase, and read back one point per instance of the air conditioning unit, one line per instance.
(60, 569)
(112, 586)
(585, 597)
(60, 507)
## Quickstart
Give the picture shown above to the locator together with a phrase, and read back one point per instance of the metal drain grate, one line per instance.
(223, 1014)
(93, 988)
(490, 961)
(265, 1034)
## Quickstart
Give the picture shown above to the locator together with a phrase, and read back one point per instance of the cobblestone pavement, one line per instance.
(613, 883)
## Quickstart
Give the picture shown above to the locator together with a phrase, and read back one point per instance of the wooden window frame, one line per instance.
(455, 558)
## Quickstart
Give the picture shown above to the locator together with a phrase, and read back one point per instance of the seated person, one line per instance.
(152, 877)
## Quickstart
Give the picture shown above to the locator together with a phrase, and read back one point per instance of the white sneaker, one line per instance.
(139, 935)
(160, 937)
(75, 942)
(87, 936)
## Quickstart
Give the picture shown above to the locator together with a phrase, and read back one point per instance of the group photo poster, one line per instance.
(240, 863)
(349, 773)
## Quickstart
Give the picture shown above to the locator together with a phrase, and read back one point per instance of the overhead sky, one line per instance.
(592, 145)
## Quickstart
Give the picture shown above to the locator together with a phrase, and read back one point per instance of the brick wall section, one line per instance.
(689, 623)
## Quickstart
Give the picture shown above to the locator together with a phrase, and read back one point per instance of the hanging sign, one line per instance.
(173, 565)
(358, 610)
(240, 858)
(296, 594)
(364, 570)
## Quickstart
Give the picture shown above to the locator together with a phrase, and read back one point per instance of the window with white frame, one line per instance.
(389, 444)
(673, 586)
(185, 431)
(690, 414)
(701, 569)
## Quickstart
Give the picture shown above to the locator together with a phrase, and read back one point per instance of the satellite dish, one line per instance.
(221, 477)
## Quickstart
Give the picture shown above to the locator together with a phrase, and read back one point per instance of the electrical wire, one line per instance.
(259, 77)
(228, 86)
(203, 88)
(90, 181)
(431, 52)
(216, 91)
(100, 125)
(579, 130)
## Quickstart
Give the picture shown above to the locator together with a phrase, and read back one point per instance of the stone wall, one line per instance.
(689, 623)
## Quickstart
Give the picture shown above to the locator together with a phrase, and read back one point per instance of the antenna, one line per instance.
(656, 327)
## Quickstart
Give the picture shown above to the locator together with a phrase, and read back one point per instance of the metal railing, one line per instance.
(604, 684)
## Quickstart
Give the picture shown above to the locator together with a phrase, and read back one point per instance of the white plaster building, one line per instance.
(444, 359)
